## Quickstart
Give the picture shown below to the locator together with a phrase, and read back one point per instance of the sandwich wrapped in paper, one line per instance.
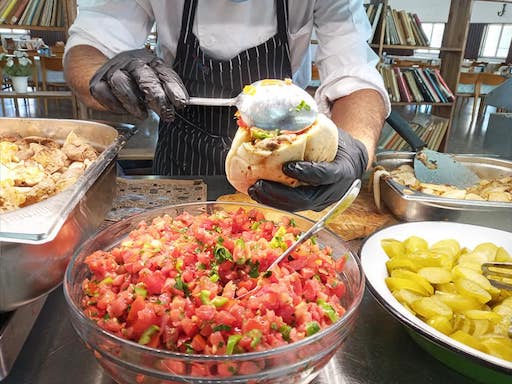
(258, 153)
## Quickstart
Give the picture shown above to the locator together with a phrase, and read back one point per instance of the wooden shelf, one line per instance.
(32, 27)
(399, 103)
(451, 53)
(392, 46)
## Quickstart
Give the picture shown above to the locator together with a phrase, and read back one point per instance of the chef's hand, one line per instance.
(135, 81)
(327, 181)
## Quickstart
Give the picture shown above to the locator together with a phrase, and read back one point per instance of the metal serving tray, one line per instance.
(410, 205)
(37, 241)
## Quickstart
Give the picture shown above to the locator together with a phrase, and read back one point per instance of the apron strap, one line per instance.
(282, 19)
(187, 21)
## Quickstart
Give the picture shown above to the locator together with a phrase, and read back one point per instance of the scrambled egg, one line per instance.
(35, 168)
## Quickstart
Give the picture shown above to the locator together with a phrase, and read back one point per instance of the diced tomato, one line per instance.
(170, 274)
(137, 305)
(198, 343)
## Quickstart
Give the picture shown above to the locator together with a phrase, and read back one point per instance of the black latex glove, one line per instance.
(135, 81)
(327, 181)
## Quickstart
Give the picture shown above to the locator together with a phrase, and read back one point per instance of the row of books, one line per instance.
(46, 13)
(431, 129)
(414, 84)
(401, 27)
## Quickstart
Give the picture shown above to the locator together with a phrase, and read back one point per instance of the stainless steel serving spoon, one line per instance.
(345, 202)
(270, 104)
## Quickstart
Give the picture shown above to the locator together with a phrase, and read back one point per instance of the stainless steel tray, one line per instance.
(417, 206)
(40, 222)
(37, 241)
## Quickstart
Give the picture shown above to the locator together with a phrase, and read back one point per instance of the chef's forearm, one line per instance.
(362, 114)
(80, 64)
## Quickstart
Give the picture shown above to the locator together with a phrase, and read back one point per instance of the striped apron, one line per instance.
(198, 140)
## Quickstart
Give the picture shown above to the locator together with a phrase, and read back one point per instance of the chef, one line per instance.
(214, 48)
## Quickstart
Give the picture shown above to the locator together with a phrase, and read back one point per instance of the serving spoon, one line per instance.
(269, 104)
(345, 202)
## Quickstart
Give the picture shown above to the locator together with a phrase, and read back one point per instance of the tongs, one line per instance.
(499, 274)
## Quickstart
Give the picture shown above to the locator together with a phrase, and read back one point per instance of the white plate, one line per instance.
(373, 260)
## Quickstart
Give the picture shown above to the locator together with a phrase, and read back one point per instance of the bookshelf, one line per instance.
(38, 15)
(451, 55)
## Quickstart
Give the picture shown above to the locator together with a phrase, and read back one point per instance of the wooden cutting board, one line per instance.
(358, 221)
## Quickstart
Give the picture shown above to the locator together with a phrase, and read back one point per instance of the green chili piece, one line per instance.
(254, 270)
(107, 280)
(148, 333)
(204, 295)
(303, 106)
(255, 225)
(277, 241)
(256, 335)
(140, 291)
(232, 343)
(312, 327)
(285, 331)
(182, 286)
(221, 327)
(219, 301)
(179, 265)
(222, 254)
(328, 310)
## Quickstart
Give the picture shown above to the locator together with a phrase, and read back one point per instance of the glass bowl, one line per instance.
(130, 362)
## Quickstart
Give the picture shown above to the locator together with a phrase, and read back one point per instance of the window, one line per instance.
(496, 40)
(434, 32)
(12, 35)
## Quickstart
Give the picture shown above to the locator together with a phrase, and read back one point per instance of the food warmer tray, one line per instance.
(409, 205)
(37, 241)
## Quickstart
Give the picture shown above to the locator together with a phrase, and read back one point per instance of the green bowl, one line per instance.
(460, 363)
(470, 362)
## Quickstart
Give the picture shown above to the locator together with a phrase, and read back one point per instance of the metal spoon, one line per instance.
(345, 202)
(270, 104)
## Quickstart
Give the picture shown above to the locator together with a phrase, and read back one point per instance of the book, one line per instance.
(35, 15)
(418, 23)
(53, 18)
(434, 84)
(405, 95)
(425, 92)
(409, 36)
(46, 13)
(7, 10)
(430, 88)
(23, 17)
(29, 12)
(19, 11)
(375, 19)
(411, 82)
(13, 10)
(417, 35)
(3, 5)
(399, 27)
(451, 96)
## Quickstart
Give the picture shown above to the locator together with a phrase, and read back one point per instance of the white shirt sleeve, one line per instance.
(345, 61)
(111, 26)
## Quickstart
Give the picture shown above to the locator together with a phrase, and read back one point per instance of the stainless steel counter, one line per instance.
(378, 350)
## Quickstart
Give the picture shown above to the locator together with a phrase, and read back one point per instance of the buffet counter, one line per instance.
(379, 350)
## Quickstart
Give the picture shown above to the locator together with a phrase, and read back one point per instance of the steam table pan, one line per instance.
(37, 241)
(408, 205)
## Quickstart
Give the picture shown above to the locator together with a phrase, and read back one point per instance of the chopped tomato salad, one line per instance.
(175, 283)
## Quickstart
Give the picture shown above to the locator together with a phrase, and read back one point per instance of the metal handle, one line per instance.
(215, 102)
(339, 207)
(402, 127)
